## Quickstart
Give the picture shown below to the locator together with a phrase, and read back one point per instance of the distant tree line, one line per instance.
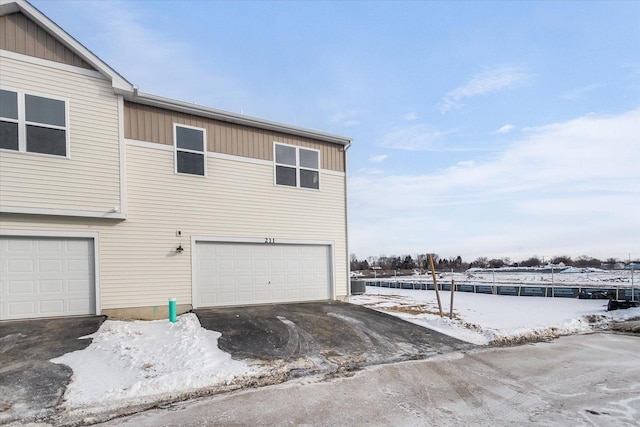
(421, 261)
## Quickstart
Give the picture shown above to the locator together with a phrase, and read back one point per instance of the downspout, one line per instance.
(346, 220)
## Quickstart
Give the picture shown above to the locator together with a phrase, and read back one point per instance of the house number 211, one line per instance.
(269, 240)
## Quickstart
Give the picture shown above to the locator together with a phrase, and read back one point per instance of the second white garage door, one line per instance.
(249, 273)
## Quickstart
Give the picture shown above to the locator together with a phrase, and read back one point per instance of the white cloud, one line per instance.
(506, 129)
(578, 93)
(149, 57)
(411, 116)
(488, 81)
(418, 137)
(379, 158)
(347, 118)
(369, 171)
(568, 187)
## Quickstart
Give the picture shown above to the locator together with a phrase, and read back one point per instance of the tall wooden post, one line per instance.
(453, 289)
(435, 283)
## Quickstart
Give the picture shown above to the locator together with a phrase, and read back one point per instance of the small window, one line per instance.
(9, 120)
(34, 124)
(297, 166)
(190, 150)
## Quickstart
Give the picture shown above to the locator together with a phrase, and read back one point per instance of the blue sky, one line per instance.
(499, 129)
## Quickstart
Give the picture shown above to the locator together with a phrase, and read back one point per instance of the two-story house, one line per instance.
(112, 201)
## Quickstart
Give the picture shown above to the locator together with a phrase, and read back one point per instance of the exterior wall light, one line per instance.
(179, 249)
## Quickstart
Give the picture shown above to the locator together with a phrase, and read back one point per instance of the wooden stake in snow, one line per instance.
(453, 289)
(435, 283)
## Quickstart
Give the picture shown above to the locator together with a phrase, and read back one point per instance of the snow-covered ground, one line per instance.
(484, 319)
(138, 362)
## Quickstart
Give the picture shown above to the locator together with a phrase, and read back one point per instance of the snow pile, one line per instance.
(494, 319)
(147, 358)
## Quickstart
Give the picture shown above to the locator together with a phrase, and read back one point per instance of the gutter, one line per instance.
(226, 116)
(346, 220)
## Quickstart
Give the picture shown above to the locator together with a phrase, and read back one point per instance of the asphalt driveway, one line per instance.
(290, 340)
(30, 385)
(331, 335)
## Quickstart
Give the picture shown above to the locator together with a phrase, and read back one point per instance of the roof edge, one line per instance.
(12, 6)
(226, 116)
(130, 92)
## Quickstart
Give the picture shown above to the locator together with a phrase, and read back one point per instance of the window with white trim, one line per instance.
(190, 149)
(296, 166)
(33, 123)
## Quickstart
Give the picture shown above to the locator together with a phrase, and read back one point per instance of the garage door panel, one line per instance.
(294, 294)
(279, 295)
(226, 297)
(260, 273)
(50, 266)
(19, 309)
(45, 277)
(77, 265)
(20, 266)
(76, 246)
(50, 286)
(52, 308)
(261, 280)
(17, 246)
(260, 296)
(17, 287)
(79, 306)
(277, 264)
(244, 264)
(244, 280)
(54, 246)
(226, 265)
(260, 264)
(77, 285)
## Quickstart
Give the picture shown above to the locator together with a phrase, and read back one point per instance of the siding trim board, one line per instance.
(51, 64)
(123, 158)
(221, 156)
(252, 139)
(113, 214)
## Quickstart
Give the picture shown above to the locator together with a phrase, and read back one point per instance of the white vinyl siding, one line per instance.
(139, 266)
(89, 178)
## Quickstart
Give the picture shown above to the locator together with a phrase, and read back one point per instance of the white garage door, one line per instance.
(250, 273)
(45, 277)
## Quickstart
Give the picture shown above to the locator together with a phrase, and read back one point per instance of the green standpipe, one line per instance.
(172, 310)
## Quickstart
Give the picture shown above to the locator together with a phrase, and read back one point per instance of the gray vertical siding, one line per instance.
(152, 124)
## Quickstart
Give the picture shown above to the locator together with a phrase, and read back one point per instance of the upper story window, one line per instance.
(297, 166)
(33, 123)
(190, 149)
